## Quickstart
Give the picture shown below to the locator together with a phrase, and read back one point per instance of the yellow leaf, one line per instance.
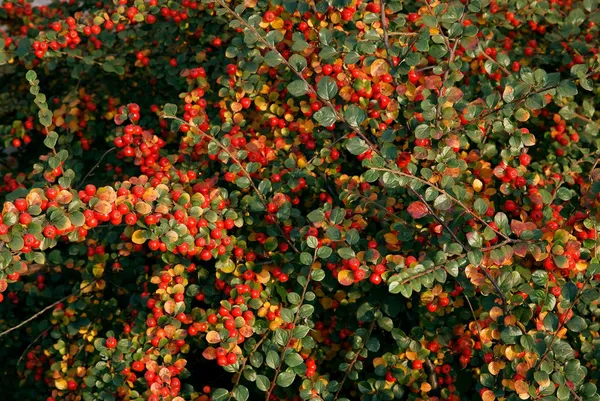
(346, 277)
(138, 237)
(379, 67)
(60, 384)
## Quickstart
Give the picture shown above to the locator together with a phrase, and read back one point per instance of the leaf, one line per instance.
(417, 209)
(356, 146)
(212, 337)
(170, 110)
(298, 62)
(285, 379)
(379, 67)
(220, 394)
(31, 76)
(297, 88)
(346, 277)
(327, 88)
(262, 382)
(293, 359)
(442, 202)
(139, 237)
(51, 139)
(325, 116)
(354, 115)
(241, 393)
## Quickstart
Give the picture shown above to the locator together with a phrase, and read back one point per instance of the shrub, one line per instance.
(312, 200)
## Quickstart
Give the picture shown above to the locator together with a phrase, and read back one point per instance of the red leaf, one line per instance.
(417, 209)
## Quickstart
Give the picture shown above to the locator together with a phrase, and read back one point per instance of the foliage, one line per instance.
(285, 200)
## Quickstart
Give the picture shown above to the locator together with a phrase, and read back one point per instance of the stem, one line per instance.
(457, 201)
(464, 246)
(244, 171)
(281, 358)
(47, 308)
(349, 369)
(239, 377)
(95, 166)
(386, 40)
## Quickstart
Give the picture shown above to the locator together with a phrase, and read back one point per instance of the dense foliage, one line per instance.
(319, 200)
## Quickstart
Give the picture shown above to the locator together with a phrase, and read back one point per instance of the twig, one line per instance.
(31, 344)
(281, 358)
(457, 201)
(356, 356)
(464, 246)
(244, 171)
(386, 40)
(245, 361)
(95, 166)
(47, 308)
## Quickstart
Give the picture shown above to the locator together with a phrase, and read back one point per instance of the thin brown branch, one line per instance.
(464, 246)
(356, 356)
(281, 356)
(386, 39)
(457, 201)
(504, 70)
(47, 308)
(245, 361)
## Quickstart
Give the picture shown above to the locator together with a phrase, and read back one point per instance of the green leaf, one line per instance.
(327, 88)
(220, 394)
(356, 145)
(316, 216)
(480, 206)
(273, 59)
(325, 116)
(298, 62)
(45, 116)
(285, 379)
(354, 115)
(240, 393)
(566, 88)
(297, 88)
(51, 139)
(442, 202)
(293, 359)
(170, 110)
(31, 75)
(272, 359)
(262, 382)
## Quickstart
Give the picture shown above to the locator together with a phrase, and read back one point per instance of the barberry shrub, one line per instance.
(284, 200)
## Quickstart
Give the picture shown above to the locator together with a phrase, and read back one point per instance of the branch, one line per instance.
(386, 40)
(281, 358)
(244, 171)
(95, 166)
(457, 201)
(464, 246)
(356, 356)
(47, 308)
(237, 381)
